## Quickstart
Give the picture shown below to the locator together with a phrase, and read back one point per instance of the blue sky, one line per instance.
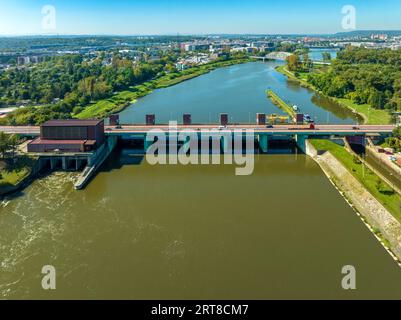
(131, 17)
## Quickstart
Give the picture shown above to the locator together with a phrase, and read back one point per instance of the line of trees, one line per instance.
(63, 86)
(366, 76)
(74, 78)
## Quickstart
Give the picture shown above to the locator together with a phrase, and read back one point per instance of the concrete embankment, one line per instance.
(373, 213)
(101, 155)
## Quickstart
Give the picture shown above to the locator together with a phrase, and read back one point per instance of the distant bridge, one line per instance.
(282, 56)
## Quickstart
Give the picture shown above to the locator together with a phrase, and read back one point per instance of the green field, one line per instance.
(103, 108)
(380, 190)
(370, 115)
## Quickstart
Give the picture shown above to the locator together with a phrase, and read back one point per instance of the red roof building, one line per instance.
(69, 136)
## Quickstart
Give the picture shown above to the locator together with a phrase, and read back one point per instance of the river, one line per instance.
(193, 232)
(316, 54)
(238, 90)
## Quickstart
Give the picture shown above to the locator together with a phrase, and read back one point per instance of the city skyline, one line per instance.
(161, 17)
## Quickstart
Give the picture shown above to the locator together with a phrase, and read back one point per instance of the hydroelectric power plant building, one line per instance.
(69, 136)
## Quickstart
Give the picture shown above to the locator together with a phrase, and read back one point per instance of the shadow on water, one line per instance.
(122, 156)
(334, 108)
(132, 154)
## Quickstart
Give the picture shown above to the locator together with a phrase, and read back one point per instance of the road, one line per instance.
(287, 129)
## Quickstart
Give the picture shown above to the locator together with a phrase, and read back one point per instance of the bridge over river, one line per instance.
(262, 133)
(272, 130)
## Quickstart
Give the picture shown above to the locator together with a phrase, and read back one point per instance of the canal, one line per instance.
(195, 232)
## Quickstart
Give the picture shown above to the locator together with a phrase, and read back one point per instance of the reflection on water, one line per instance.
(333, 107)
(165, 232)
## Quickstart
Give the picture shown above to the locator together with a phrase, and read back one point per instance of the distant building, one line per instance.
(181, 66)
(29, 59)
(189, 47)
(244, 49)
(69, 136)
(382, 37)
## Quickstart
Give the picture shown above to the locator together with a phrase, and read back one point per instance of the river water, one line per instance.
(192, 232)
(238, 90)
(316, 54)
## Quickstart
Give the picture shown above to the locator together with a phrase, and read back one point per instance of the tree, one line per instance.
(376, 99)
(8, 142)
(101, 90)
(4, 144)
(13, 142)
(307, 63)
(293, 62)
(326, 56)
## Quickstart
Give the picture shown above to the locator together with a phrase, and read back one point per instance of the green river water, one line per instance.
(192, 232)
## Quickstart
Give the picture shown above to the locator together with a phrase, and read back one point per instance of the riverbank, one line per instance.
(368, 114)
(380, 190)
(121, 100)
(345, 174)
(13, 175)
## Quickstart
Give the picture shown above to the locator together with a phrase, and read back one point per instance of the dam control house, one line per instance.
(70, 136)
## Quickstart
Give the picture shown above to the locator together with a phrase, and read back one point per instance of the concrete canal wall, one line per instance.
(372, 212)
(95, 162)
(382, 158)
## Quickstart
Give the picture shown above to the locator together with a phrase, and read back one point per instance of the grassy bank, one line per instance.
(12, 174)
(121, 100)
(280, 103)
(300, 80)
(369, 114)
(378, 188)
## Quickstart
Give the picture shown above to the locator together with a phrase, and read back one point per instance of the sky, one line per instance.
(154, 17)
